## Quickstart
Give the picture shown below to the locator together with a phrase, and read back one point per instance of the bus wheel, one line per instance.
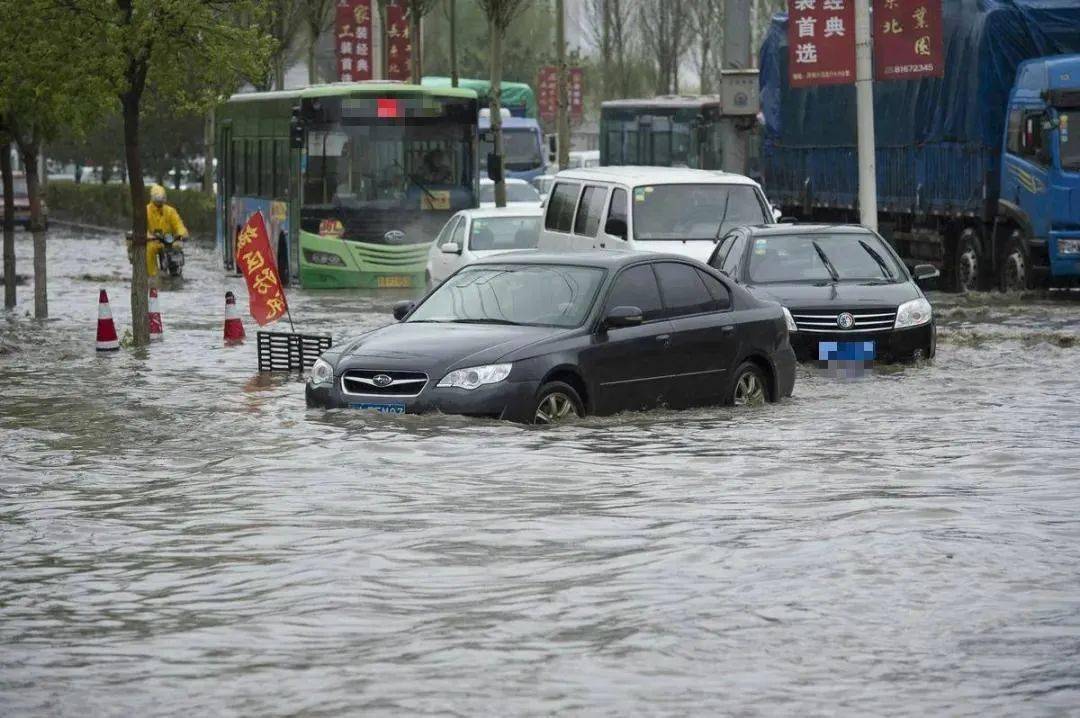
(283, 259)
(968, 269)
(1015, 272)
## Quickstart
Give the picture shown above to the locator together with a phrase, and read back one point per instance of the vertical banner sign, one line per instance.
(548, 92)
(398, 42)
(576, 91)
(821, 42)
(266, 297)
(907, 39)
(352, 28)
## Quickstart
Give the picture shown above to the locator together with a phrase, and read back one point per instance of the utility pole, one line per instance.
(563, 120)
(453, 43)
(864, 114)
(736, 57)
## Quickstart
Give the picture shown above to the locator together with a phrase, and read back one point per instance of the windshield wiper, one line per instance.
(877, 258)
(485, 320)
(416, 181)
(723, 216)
(825, 260)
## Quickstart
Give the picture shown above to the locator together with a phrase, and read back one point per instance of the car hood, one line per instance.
(699, 249)
(842, 295)
(437, 346)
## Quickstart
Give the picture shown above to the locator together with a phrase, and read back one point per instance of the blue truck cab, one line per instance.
(1040, 179)
(523, 146)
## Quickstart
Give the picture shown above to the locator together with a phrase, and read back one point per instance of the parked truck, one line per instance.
(978, 172)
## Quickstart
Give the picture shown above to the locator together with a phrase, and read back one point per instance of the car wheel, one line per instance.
(750, 388)
(556, 402)
(1015, 274)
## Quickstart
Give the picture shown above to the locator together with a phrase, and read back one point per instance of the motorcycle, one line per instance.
(171, 257)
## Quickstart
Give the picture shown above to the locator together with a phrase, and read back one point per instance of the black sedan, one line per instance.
(537, 338)
(845, 292)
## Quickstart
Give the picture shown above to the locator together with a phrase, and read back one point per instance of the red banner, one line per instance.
(821, 42)
(548, 92)
(265, 295)
(908, 39)
(353, 40)
(398, 42)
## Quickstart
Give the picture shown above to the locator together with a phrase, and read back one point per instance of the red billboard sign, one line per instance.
(352, 30)
(399, 44)
(821, 42)
(548, 92)
(907, 39)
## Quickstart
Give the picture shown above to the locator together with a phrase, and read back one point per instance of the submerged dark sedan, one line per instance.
(845, 292)
(538, 338)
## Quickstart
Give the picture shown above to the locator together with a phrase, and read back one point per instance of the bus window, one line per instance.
(266, 169)
(281, 169)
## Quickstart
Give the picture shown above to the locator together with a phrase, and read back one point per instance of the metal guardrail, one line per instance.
(286, 351)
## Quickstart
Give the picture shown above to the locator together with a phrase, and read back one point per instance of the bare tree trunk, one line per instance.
(28, 149)
(140, 322)
(312, 72)
(416, 61)
(208, 153)
(9, 226)
(605, 47)
(562, 118)
(496, 110)
(453, 44)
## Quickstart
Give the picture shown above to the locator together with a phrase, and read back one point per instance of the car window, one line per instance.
(636, 287)
(734, 255)
(561, 204)
(682, 289)
(588, 214)
(501, 233)
(720, 294)
(617, 207)
(447, 231)
(717, 258)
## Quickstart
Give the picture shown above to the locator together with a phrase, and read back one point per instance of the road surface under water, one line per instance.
(181, 536)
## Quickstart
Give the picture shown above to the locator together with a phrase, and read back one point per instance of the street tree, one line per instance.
(283, 22)
(708, 18)
(191, 52)
(46, 84)
(7, 179)
(318, 18)
(499, 13)
(665, 28)
(417, 9)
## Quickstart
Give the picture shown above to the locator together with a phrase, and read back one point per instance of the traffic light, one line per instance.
(495, 167)
(296, 130)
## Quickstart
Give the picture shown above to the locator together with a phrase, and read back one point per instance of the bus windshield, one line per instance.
(522, 148)
(389, 165)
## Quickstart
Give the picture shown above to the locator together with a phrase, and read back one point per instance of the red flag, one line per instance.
(265, 293)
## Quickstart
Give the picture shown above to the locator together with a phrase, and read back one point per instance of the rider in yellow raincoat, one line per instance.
(163, 218)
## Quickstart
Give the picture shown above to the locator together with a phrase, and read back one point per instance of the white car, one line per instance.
(474, 233)
(651, 209)
(519, 193)
(543, 184)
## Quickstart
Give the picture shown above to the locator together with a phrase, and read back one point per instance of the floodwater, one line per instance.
(180, 536)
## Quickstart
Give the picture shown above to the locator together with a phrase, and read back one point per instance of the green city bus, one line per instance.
(354, 179)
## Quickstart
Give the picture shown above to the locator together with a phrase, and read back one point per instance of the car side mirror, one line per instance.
(777, 215)
(402, 309)
(789, 220)
(616, 227)
(623, 317)
(923, 272)
(451, 248)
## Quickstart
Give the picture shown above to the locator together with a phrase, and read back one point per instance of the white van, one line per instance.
(656, 209)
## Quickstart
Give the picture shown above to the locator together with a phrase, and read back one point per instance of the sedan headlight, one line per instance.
(476, 376)
(321, 372)
(1069, 246)
(791, 326)
(913, 313)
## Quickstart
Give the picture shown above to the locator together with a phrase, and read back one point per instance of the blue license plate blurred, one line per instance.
(845, 351)
(382, 408)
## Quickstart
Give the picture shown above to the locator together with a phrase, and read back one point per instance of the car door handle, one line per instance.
(664, 338)
(728, 329)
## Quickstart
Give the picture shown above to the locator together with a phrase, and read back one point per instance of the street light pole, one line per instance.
(864, 114)
(562, 120)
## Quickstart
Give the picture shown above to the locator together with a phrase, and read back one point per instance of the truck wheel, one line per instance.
(1014, 274)
(968, 270)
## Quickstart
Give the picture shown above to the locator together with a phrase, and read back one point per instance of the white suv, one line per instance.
(658, 209)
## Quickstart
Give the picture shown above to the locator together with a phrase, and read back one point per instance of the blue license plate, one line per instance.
(845, 351)
(382, 408)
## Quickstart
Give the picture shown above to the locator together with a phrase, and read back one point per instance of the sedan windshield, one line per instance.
(492, 234)
(822, 258)
(530, 294)
(694, 211)
(514, 193)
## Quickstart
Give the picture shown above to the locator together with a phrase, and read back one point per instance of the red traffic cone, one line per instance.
(234, 328)
(106, 330)
(157, 331)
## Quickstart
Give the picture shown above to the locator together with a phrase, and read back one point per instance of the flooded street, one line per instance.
(181, 536)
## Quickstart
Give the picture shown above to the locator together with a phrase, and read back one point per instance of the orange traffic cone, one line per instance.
(234, 328)
(157, 331)
(106, 330)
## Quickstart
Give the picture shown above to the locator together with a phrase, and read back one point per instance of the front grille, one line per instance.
(362, 382)
(866, 320)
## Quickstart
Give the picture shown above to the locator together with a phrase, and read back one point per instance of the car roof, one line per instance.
(605, 259)
(778, 230)
(633, 175)
(518, 210)
(509, 180)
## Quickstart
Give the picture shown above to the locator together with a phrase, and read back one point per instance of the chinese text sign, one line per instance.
(821, 42)
(399, 44)
(907, 39)
(266, 298)
(352, 33)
